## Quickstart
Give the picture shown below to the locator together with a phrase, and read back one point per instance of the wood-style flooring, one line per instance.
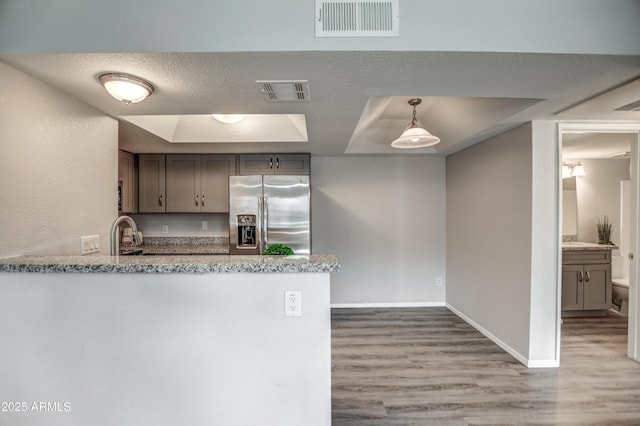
(425, 366)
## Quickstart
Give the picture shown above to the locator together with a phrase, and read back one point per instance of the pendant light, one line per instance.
(126, 88)
(414, 136)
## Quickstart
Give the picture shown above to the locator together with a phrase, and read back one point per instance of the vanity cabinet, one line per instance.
(127, 183)
(151, 183)
(198, 183)
(586, 281)
(273, 164)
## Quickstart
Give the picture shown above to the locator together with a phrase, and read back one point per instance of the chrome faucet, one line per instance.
(114, 230)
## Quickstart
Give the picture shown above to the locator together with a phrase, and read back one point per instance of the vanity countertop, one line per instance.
(577, 245)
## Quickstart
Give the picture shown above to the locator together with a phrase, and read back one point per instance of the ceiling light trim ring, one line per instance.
(119, 91)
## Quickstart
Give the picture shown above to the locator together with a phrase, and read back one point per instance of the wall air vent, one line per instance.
(633, 106)
(284, 91)
(357, 18)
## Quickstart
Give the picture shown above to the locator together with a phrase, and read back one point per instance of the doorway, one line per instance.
(570, 135)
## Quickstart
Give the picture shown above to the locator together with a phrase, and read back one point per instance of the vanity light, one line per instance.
(414, 136)
(229, 118)
(126, 88)
(578, 170)
(570, 170)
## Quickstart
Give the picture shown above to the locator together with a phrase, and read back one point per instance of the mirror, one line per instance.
(569, 210)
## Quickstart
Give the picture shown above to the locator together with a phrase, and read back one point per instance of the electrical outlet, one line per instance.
(293, 303)
(439, 282)
(205, 224)
(165, 229)
(89, 244)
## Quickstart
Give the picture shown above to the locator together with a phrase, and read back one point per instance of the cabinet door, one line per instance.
(151, 184)
(291, 164)
(183, 184)
(572, 288)
(597, 287)
(256, 164)
(126, 175)
(215, 173)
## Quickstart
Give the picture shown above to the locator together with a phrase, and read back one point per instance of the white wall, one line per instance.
(544, 321)
(489, 236)
(384, 218)
(58, 168)
(598, 194)
(166, 349)
(569, 26)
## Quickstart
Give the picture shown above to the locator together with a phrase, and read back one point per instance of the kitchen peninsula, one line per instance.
(166, 340)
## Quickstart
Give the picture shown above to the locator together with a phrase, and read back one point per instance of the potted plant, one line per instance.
(278, 250)
(604, 230)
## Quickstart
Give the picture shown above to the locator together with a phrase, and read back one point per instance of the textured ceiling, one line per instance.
(466, 96)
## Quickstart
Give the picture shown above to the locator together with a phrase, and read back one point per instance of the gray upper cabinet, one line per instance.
(270, 164)
(199, 183)
(151, 183)
(127, 183)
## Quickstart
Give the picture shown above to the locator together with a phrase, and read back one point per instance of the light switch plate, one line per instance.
(89, 244)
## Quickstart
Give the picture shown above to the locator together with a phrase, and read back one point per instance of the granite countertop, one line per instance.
(169, 264)
(577, 245)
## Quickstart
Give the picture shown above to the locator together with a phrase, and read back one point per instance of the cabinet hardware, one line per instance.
(271, 163)
(581, 278)
(160, 200)
(277, 162)
(630, 256)
(202, 200)
(197, 198)
(588, 276)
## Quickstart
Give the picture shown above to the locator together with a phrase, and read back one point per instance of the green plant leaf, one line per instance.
(278, 250)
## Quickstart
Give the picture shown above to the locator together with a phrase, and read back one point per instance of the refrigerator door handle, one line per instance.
(265, 221)
(259, 226)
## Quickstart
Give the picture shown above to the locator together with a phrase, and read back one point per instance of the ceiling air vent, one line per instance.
(357, 18)
(633, 106)
(284, 91)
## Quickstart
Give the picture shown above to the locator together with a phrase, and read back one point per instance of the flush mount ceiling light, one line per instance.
(229, 118)
(414, 136)
(126, 88)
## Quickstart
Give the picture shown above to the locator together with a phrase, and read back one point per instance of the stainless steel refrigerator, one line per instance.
(269, 209)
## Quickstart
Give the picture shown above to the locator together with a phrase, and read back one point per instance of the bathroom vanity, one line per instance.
(586, 279)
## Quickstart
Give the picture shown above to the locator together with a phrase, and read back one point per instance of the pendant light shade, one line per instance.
(414, 136)
(126, 88)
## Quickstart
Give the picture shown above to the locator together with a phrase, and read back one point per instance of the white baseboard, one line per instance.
(517, 355)
(388, 305)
